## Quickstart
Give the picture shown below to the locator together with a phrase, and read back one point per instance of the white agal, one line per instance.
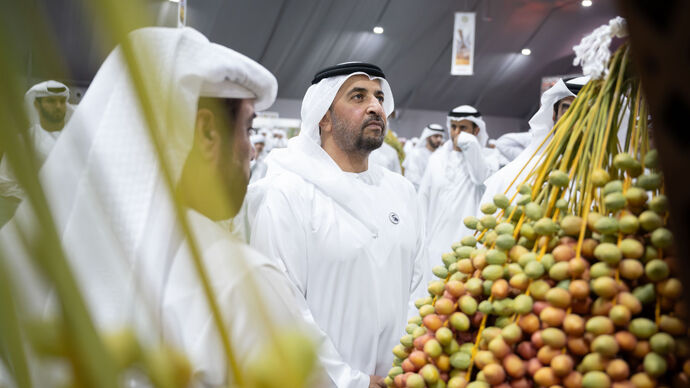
(450, 190)
(386, 157)
(350, 242)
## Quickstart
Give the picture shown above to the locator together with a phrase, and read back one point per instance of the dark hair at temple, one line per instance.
(228, 106)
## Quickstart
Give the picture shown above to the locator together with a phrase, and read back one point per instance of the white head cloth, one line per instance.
(542, 121)
(103, 181)
(429, 130)
(42, 89)
(482, 136)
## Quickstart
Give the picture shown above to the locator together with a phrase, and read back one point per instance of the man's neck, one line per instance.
(52, 126)
(347, 161)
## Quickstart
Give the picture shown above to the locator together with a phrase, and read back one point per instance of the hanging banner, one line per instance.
(182, 13)
(463, 44)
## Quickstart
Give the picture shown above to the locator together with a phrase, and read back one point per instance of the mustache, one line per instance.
(376, 119)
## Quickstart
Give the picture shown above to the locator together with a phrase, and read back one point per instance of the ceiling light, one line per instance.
(378, 30)
(586, 3)
(174, 1)
(526, 51)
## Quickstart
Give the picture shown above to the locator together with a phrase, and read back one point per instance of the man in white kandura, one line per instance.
(348, 233)
(418, 157)
(115, 215)
(48, 110)
(453, 181)
(554, 103)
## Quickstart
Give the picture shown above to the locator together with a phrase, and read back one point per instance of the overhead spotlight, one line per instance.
(586, 3)
(174, 1)
(526, 51)
(378, 30)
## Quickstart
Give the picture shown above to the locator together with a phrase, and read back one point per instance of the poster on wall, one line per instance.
(182, 13)
(463, 44)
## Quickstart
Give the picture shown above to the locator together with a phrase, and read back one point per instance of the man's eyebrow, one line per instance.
(357, 89)
(251, 119)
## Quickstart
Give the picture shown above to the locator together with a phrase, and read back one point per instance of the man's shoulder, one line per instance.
(219, 244)
(287, 182)
(284, 183)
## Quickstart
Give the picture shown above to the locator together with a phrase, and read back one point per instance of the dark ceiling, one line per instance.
(295, 38)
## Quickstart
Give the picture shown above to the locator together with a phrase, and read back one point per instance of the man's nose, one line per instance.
(376, 107)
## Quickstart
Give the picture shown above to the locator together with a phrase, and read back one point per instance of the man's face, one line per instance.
(434, 141)
(357, 119)
(258, 147)
(462, 126)
(563, 106)
(51, 108)
(235, 152)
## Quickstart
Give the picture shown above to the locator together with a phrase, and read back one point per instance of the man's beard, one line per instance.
(56, 117)
(349, 139)
(433, 145)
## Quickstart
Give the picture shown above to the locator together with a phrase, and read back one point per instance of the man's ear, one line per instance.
(325, 122)
(475, 131)
(206, 133)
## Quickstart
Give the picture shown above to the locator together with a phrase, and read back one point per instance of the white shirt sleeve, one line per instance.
(276, 233)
